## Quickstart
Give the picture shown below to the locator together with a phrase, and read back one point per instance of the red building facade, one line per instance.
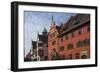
(71, 40)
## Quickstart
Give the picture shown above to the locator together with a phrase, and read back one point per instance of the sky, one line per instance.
(35, 22)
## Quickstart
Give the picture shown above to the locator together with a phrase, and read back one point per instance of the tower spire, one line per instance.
(52, 19)
(53, 22)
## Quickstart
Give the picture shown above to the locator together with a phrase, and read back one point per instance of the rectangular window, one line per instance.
(40, 44)
(66, 36)
(83, 43)
(70, 46)
(73, 34)
(80, 32)
(79, 44)
(88, 41)
(61, 48)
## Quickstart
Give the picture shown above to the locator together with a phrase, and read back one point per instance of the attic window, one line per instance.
(76, 22)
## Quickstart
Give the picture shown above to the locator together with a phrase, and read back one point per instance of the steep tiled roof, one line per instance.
(66, 24)
(58, 28)
(74, 22)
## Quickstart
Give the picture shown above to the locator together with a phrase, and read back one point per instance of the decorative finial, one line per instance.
(52, 19)
(53, 22)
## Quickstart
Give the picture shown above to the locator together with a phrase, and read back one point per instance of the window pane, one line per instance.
(62, 48)
(80, 32)
(66, 36)
(73, 34)
(70, 46)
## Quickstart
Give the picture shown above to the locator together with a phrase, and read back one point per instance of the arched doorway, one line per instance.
(84, 56)
(54, 54)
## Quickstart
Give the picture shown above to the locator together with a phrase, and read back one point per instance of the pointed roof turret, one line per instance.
(44, 30)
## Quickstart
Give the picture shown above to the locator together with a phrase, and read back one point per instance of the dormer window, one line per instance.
(76, 22)
(80, 31)
(73, 34)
